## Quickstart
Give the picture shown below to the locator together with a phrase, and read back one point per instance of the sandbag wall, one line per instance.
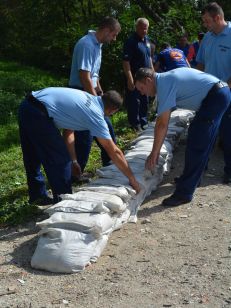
(79, 226)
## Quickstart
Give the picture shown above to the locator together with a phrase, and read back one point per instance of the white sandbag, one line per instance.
(118, 191)
(63, 251)
(101, 244)
(96, 224)
(116, 183)
(72, 206)
(112, 202)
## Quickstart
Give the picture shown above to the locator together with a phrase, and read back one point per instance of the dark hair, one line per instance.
(143, 73)
(109, 22)
(165, 45)
(112, 99)
(213, 9)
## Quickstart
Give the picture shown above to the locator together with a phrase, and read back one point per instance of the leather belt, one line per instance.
(217, 86)
(37, 104)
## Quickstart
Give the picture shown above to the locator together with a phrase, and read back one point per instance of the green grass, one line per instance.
(15, 81)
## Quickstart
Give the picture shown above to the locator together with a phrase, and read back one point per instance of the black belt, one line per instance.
(37, 104)
(217, 86)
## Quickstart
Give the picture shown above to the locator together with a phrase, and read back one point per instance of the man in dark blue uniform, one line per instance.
(41, 115)
(136, 54)
(170, 58)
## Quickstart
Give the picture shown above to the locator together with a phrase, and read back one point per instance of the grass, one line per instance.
(15, 81)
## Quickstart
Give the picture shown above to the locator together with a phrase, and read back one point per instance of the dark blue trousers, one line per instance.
(83, 142)
(137, 108)
(225, 137)
(42, 144)
(201, 138)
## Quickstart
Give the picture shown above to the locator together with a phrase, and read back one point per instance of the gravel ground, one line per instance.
(172, 257)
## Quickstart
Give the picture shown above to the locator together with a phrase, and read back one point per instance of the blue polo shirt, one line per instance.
(137, 52)
(171, 58)
(215, 53)
(183, 88)
(87, 56)
(75, 109)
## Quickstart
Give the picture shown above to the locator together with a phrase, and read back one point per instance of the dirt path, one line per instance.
(172, 257)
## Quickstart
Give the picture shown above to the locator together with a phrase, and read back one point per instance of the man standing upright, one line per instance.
(84, 76)
(136, 54)
(214, 57)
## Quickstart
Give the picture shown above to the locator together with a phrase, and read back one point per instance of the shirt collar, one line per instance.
(92, 33)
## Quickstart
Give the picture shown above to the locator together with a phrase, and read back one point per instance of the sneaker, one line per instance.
(174, 200)
(136, 128)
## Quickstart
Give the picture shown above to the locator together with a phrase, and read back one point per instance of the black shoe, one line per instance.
(42, 201)
(227, 179)
(80, 180)
(175, 201)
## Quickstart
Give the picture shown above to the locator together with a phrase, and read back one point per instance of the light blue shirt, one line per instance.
(183, 88)
(75, 109)
(215, 53)
(87, 57)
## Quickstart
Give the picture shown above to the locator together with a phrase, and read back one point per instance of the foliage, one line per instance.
(43, 33)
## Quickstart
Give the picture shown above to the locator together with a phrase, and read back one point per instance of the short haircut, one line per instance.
(110, 23)
(143, 72)
(165, 45)
(112, 99)
(213, 9)
(142, 20)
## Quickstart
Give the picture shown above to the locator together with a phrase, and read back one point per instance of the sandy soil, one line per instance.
(172, 257)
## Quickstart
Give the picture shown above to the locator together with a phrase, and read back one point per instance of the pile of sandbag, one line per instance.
(78, 228)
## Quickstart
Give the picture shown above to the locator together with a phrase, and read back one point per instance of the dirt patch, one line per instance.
(172, 257)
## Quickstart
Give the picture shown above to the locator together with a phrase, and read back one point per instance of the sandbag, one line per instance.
(72, 206)
(113, 203)
(96, 224)
(63, 251)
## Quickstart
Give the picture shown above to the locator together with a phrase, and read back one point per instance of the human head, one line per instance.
(144, 81)
(112, 101)
(213, 17)
(108, 30)
(200, 36)
(165, 45)
(142, 25)
(183, 41)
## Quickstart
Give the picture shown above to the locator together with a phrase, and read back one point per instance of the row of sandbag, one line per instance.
(78, 228)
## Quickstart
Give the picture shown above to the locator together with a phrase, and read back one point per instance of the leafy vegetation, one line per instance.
(15, 82)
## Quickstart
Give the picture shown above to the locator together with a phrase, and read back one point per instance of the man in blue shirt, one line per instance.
(42, 114)
(183, 44)
(136, 54)
(170, 58)
(214, 57)
(191, 89)
(86, 62)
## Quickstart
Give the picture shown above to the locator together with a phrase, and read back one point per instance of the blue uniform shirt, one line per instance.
(87, 57)
(215, 53)
(183, 88)
(75, 109)
(137, 52)
(171, 58)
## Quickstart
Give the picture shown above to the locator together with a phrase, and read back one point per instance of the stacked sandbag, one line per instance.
(78, 228)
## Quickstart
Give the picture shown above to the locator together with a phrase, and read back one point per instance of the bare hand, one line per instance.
(135, 185)
(131, 86)
(151, 161)
(76, 170)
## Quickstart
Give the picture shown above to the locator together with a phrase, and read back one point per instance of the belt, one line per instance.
(217, 86)
(37, 104)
